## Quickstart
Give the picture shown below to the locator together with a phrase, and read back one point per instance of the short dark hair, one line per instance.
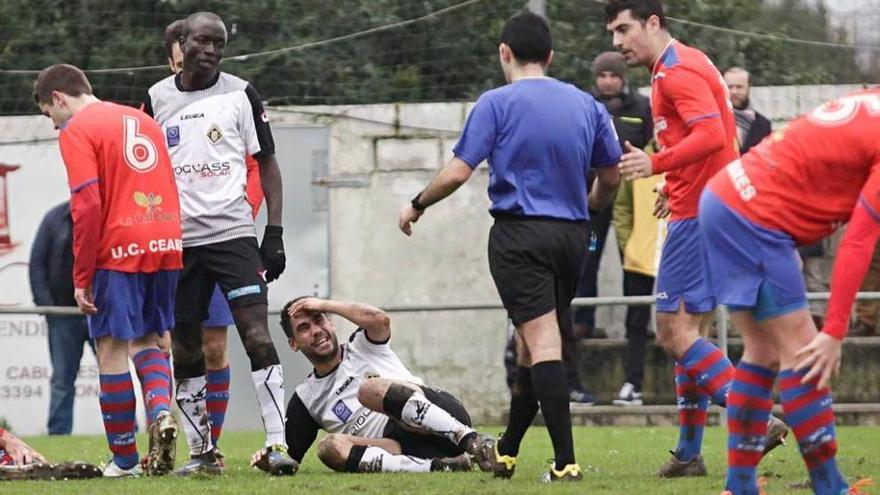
(285, 318)
(65, 78)
(173, 33)
(528, 36)
(192, 18)
(641, 10)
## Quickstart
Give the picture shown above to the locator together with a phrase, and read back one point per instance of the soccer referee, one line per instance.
(540, 137)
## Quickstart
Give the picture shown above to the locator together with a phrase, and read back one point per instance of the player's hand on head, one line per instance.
(306, 304)
(85, 301)
(634, 163)
(272, 252)
(408, 216)
(822, 357)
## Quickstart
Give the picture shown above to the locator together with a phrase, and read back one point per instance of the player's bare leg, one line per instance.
(152, 370)
(117, 406)
(701, 372)
(251, 322)
(749, 404)
(808, 409)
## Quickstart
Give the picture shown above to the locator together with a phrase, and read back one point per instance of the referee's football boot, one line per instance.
(481, 449)
(675, 468)
(163, 445)
(452, 464)
(503, 466)
(777, 430)
(275, 461)
(201, 466)
(571, 472)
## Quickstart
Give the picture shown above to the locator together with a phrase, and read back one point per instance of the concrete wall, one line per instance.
(396, 149)
(393, 151)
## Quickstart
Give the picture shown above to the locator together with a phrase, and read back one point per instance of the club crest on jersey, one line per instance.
(149, 201)
(214, 134)
(341, 411)
(172, 135)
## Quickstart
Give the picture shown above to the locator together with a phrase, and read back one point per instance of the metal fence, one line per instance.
(723, 321)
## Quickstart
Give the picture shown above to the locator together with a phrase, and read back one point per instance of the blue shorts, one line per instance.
(682, 273)
(131, 305)
(219, 314)
(751, 268)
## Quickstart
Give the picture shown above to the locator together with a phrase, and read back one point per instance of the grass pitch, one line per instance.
(615, 461)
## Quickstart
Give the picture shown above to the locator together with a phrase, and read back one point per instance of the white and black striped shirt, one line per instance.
(208, 132)
(330, 402)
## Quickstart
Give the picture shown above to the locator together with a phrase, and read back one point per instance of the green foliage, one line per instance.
(447, 57)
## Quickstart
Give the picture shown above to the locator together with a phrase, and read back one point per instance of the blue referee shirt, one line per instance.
(540, 136)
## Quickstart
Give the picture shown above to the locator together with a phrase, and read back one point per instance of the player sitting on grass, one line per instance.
(380, 418)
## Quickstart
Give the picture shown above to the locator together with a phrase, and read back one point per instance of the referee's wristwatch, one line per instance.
(416, 204)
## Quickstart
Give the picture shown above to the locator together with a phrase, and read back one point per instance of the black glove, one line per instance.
(272, 252)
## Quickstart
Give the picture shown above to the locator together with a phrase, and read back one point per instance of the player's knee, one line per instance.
(333, 451)
(215, 352)
(372, 391)
(261, 354)
(395, 398)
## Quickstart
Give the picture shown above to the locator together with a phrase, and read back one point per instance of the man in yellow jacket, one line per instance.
(640, 237)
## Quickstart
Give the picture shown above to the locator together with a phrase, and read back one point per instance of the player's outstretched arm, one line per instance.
(450, 178)
(20, 452)
(373, 320)
(823, 354)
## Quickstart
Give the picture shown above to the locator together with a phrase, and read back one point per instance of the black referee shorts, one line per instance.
(424, 445)
(536, 264)
(234, 265)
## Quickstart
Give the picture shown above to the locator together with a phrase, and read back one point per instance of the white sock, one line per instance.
(190, 398)
(269, 383)
(377, 460)
(419, 412)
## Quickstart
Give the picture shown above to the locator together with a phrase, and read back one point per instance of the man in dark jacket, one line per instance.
(51, 278)
(632, 119)
(751, 126)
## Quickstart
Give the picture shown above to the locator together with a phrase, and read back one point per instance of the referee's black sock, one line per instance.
(523, 408)
(551, 389)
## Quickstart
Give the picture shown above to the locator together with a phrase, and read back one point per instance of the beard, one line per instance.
(322, 358)
(742, 105)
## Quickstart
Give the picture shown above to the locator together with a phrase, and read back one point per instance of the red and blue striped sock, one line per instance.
(809, 413)
(710, 368)
(693, 404)
(217, 400)
(748, 410)
(152, 370)
(118, 410)
(167, 355)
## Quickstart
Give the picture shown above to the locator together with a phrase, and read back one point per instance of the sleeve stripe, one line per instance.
(871, 211)
(84, 185)
(714, 115)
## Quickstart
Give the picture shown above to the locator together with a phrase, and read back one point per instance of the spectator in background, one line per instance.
(815, 277)
(51, 279)
(751, 126)
(632, 118)
(634, 224)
